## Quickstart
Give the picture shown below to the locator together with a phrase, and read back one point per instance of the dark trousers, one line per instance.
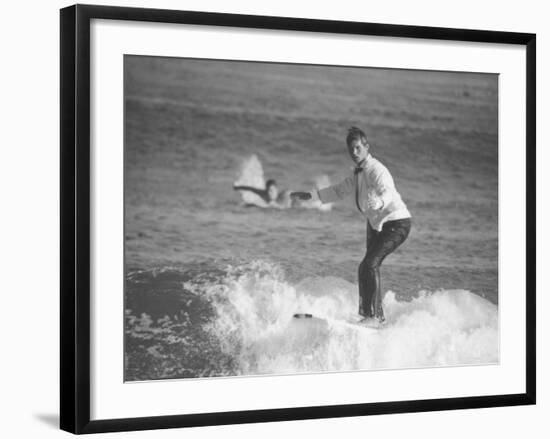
(379, 245)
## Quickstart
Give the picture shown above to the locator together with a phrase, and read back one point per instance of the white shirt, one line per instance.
(370, 180)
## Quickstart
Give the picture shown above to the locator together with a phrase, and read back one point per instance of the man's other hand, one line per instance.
(302, 196)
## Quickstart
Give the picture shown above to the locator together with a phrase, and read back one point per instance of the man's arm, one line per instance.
(337, 191)
(328, 194)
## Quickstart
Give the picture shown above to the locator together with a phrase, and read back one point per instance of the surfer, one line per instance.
(268, 194)
(388, 219)
(271, 195)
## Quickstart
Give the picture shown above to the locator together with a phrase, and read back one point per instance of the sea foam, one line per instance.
(254, 322)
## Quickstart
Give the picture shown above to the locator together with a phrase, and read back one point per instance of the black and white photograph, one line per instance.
(291, 219)
(270, 220)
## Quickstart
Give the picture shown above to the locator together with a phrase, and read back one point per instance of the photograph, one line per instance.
(286, 218)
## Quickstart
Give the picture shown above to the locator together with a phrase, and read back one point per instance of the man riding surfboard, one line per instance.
(388, 219)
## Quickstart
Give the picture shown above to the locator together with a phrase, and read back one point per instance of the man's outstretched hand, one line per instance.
(302, 196)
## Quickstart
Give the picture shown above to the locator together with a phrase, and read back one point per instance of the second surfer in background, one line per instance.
(388, 219)
(270, 195)
(255, 191)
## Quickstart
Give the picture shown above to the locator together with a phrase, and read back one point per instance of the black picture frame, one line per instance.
(75, 217)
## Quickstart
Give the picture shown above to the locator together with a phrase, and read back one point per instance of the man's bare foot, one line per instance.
(369, 322)
(372, 322)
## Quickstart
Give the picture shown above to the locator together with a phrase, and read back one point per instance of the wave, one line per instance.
(251, 173)
(253, 306)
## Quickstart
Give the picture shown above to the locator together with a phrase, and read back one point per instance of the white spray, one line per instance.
(255, 305)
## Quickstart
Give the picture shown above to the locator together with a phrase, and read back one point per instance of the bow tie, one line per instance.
(360, 166)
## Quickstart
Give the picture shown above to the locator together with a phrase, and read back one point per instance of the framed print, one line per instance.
(275, 218)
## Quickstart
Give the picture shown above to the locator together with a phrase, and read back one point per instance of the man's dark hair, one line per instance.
(270, 183)
(355, 133)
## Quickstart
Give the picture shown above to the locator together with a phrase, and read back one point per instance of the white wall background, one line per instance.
(29, 219)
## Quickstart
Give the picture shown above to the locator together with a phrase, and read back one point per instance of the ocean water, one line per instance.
(211, 285)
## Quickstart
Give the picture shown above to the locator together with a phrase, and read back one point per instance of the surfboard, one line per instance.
(354, 323)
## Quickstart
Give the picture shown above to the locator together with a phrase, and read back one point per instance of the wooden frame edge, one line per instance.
(75, 218)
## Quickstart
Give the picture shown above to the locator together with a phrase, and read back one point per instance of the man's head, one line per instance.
(358, 147)
(271, 188)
